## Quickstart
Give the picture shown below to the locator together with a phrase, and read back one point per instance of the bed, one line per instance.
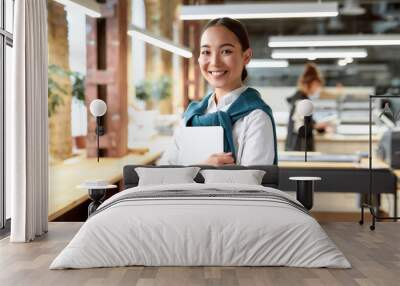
(198, 224)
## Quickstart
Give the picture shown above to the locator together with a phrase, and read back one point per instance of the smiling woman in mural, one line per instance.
(249, 128)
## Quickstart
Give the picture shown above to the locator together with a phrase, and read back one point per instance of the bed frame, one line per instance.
(270, 179)
(334, 180)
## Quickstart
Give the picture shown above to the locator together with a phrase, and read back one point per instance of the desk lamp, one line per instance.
(98, 108)
(306, 109)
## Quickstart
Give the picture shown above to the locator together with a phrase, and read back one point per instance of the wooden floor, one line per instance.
(375, 257)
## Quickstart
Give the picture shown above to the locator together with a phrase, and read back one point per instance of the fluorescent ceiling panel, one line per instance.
(89, 7)
(159, 41)
(318, 53)
(261, 63)
(333, 40)
(259, 11)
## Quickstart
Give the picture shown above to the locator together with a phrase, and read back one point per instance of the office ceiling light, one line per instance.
(159, 41)
(89, 7)
(313, 54)
(261, 63)
(260, 11)
(334, 41)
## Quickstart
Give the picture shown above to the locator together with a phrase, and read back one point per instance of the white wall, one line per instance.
(76, 39)
(77, 62)
(138, 46)
(275, 97)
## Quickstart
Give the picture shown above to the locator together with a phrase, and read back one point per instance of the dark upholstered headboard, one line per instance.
(271, 177)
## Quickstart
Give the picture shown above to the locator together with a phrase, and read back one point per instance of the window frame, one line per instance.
(6, 39)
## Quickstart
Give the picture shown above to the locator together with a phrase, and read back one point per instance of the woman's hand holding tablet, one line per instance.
(220, 159)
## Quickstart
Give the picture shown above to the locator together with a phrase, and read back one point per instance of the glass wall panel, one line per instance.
(9, 9)
(1, 13)
(2, 197)
(7, 83)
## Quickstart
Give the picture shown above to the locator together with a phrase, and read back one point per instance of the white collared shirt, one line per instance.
(252, 134)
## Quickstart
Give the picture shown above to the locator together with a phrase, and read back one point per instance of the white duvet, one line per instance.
(200, 231)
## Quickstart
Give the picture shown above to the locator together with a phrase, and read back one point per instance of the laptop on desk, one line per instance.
(198, 143)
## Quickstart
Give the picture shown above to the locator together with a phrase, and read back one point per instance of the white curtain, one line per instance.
(27, 123)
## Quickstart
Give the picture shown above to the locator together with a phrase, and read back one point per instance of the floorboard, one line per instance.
(374, 255)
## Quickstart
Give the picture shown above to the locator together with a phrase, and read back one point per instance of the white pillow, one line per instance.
(164, 176)
(248, 177)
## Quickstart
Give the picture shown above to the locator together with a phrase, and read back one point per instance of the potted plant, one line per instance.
(56, 93)
(143, 94)
(162, 91)
(78, 93)
(78, 85)
(54, 90)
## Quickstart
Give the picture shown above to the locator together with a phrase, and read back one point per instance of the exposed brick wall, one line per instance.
(60, 138)
(107, 78)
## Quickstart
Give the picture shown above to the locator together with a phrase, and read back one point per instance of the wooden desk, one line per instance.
(342, 177)
(397, 172)
(65, 176)
(376, 163)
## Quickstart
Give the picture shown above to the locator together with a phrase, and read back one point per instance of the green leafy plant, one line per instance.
(143, 90)
(162, 88)
(78, 85)
(158, 90)
(56, 92)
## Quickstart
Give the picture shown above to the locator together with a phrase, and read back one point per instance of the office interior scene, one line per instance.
(199, 142)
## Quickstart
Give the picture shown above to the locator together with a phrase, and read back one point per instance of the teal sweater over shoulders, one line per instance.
(247, 102)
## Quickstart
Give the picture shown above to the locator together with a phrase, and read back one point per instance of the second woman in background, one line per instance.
(308, 87)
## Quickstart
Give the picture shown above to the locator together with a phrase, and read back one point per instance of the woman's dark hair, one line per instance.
(310, 74)
(235, 27)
